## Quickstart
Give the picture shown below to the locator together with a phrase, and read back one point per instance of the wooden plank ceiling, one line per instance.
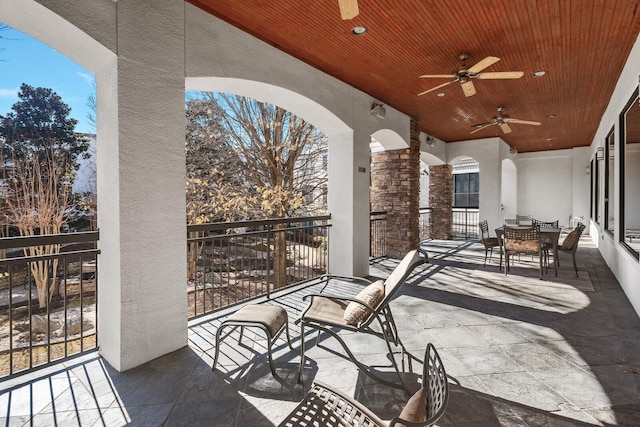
(581, 44)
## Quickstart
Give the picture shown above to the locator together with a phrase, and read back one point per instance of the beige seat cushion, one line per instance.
(415, 410)
(326, 310)
(272, 316)
(371, 295)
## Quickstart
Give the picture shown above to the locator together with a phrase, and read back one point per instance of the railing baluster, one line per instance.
(30, 316)
(64, 303)
(243, 259)
(81, 289)
(28, 346)
(10, 319)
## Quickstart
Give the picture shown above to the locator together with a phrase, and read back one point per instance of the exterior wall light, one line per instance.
(379, 111)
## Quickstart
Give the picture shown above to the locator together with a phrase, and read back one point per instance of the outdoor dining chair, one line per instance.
(524, 220)
(488, 242)
(522, 241)
(570, 244)
(324, 406)
(369, 313)
(547, 244)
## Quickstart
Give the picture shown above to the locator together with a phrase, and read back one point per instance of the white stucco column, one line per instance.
(348, 200)
(141, 186)
(490, 181)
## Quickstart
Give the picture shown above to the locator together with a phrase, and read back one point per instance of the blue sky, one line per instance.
(24, 59)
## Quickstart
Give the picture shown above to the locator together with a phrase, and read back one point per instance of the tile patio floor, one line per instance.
(519, 351)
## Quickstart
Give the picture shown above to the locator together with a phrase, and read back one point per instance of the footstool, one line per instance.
(270, 318)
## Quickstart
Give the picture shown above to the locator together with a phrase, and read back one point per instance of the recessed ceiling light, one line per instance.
(358, 31)
(440, 94)
(539, 73)
(551, 116)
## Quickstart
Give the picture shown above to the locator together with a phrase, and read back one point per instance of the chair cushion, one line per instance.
(371, 295)
(571, 241)
(415, 410)
(522, 246)
(490, 241)
(327, 310)
(400, 273)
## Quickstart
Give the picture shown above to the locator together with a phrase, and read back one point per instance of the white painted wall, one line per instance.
(581, 159)
(625, 267)
(549, 183)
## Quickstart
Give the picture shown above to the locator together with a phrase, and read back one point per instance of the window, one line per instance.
(630, 176)
(609, 184)
(466, 189)
(596, 189)
(592, 189)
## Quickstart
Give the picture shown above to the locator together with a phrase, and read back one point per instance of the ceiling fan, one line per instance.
(464, 74)
(503, 121)
(348, 9)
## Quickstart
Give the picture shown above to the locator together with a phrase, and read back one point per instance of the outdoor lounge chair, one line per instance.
(325, 406)
(368, 313)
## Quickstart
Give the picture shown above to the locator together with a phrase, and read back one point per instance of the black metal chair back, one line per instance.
(523, 241)
(488, 242)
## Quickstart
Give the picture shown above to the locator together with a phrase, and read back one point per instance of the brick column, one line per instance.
(441, 200)
(395, 189)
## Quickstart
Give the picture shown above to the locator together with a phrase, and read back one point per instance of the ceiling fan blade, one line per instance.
(481, 126)
(489, 60)
(505, 128)
(468, 88)
(522, 122)
(438, 76)
(500, 75)
(348, 9)
(435, 88)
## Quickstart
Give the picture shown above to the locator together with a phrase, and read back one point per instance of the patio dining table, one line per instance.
(550, 234)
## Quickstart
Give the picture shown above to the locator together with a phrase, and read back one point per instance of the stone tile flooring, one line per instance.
(519, 351)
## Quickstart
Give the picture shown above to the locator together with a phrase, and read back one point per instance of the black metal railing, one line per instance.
(425, 223)
(232, 262)
(48, 299)
(465, 223)
(377, 234)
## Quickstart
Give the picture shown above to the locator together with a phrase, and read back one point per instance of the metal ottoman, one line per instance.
(270, 318)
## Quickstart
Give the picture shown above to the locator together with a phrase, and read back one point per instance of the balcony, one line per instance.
(519, 351)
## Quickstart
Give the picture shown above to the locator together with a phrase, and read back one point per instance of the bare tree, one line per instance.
(37, 202)
(265, 161)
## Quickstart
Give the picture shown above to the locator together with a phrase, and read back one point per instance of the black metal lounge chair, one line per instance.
(327, 407)
(368, 313)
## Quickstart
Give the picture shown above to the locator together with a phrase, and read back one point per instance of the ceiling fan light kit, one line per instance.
(465, 74)
(503, 121)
